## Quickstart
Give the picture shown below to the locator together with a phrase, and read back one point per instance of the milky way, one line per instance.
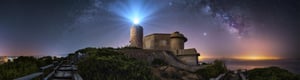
(228, 13)
(213, 27)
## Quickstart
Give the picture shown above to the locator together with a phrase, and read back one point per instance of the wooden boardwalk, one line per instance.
(29, 77)
(65, 71)
(62, 71)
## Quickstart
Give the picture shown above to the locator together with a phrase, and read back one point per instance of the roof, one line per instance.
(188, 52)
(165, 34)
(178, 35)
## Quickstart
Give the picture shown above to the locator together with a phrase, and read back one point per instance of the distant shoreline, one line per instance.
(292, 65)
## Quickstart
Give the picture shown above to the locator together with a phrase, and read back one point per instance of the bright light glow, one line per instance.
(200, 58)
(136, 21)
(135, 11)
(258, 48)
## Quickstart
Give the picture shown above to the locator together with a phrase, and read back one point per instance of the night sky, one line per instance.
(216, 28)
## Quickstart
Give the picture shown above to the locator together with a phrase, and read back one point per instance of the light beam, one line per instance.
(135, 11)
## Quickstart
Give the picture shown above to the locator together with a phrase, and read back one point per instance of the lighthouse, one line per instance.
(136, 35)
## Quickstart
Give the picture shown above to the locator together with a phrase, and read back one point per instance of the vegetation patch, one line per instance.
(212, 70)
(271, 73)
(158, 62)
(23, 65)
(107, 64)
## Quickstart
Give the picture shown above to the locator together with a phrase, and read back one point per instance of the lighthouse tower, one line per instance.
(136, 36)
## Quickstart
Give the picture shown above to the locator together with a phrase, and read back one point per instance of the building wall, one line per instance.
(150, 55)
(177, 44)
(148, 42)
(163, 42)
(136, 36)
(188, 56)
(157, 42)
(191, 60)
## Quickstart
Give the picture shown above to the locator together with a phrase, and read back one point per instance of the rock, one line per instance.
(162, 68)
(171, 69)
(190, 76)
(172, 73)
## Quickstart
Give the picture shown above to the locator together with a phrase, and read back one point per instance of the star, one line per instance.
(204, 34)
(170, 3)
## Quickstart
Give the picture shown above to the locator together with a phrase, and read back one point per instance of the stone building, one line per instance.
(173, 42)
(157, 41)
(136, 36)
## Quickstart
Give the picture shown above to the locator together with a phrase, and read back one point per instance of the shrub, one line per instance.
(107, 64)
(23, 65)
(213, 70)
(271, 73)
(158, 62)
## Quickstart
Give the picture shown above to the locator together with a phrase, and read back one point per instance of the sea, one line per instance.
(292, 65)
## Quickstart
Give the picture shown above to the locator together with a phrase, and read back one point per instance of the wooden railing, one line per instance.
(58, 67)
(37, 74)
(64, 71)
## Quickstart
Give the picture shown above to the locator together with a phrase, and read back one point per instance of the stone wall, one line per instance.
(157, 41)
(169, 57)
(136, 36)
(191, 59)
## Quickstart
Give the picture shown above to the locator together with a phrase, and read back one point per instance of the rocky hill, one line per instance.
(138, 64)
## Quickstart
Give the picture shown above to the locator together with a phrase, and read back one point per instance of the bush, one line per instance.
(158, 62)
(22, 66)
(107, 64)
(213, 70)
(271, 73)
(130, 47)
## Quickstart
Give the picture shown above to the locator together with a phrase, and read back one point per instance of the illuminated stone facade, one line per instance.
(171, 42)
(136, 36)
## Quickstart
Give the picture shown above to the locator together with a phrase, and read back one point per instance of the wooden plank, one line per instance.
(45, 67)
(29, 77)
(77, 77)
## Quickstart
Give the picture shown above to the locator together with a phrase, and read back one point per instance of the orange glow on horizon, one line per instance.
(252, 58)
(201, 58)
(257, 58)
